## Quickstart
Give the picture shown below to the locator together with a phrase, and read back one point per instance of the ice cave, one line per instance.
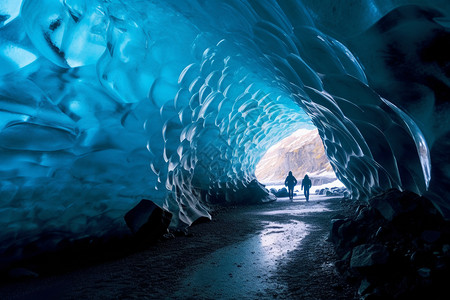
(107, 102)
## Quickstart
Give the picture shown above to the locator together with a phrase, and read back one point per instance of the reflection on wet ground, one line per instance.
(277, 239)
(315, 209)
(247, 268)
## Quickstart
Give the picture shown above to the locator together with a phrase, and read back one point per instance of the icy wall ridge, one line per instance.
(104, 103)
(333, 16)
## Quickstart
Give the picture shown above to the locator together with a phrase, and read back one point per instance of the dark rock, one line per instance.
(168, 236)
(348, 230)
(423, 258)
(399, 243)
(323, 191)
(424, 272)
(335, 224)
(179, 232)
(338, 216)
(341, 265)
(257, 192)
(364, 287)
(362, 213)
(245, 192)
(393, 202)
(337, 286)
(373, 296)
(201, 220)
(386, 208)
(147, 220)
(283, 192)
(446, 249)
(368, 255)
(22, 273)
(430, 236)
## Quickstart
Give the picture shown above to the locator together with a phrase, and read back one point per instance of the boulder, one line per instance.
(364, 287)
(424, 272)
(250, 192)
(399, 244)
(323, 191)
(430, 236)
(334, 233)
(386, 206)
(22, 273)
(394, 203)
(282, 193)
(258, 192)
(368, 255)
(446, 249)
(348, 230)
(148, 220)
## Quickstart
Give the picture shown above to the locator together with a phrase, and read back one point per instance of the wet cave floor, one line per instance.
(277, 250)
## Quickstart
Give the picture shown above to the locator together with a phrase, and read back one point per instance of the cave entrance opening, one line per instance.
(302, 153)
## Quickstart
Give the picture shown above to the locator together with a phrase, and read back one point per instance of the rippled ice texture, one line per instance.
(103, 103)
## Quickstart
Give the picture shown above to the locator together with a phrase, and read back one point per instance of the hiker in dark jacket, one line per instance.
(306, 183)
(290, 182)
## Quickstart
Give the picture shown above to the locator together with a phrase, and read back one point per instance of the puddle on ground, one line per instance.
(315, 209)
(244, 270)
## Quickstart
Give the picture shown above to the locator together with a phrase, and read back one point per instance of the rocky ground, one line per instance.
(172, 269)
(397, 246)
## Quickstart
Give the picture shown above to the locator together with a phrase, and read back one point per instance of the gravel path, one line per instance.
(271, 251)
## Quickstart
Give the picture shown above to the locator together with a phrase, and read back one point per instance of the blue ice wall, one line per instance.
(103, 103)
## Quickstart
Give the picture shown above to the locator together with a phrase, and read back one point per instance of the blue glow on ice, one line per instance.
(103, 103)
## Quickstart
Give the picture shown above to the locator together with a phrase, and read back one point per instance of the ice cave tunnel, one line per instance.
(106, 102)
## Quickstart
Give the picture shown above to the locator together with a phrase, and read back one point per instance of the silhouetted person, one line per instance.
(306, 183)
(290, 182)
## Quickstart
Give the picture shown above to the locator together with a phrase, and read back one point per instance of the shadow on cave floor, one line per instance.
(274, 250)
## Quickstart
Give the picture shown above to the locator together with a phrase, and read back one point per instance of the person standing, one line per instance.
(306, 183)
(290, 182)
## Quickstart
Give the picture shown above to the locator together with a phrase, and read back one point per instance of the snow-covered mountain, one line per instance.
(302, 153)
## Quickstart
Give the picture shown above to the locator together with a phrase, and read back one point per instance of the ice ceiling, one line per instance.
(106, 102)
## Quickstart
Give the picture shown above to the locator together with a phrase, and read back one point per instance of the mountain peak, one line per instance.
(302, 153)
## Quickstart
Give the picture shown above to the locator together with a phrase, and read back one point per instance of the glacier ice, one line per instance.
(104, 103)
